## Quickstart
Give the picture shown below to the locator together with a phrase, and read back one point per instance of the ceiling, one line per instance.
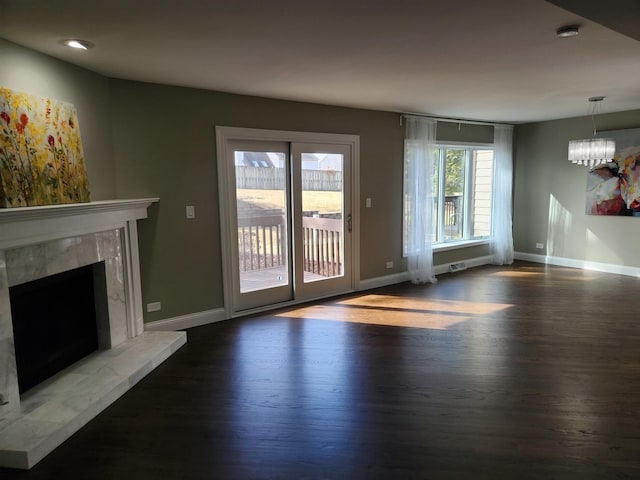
(494, 60)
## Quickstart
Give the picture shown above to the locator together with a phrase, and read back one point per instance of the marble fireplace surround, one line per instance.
(36, 242)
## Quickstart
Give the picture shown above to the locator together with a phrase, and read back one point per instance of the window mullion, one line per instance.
(468, 184)
(441, 193)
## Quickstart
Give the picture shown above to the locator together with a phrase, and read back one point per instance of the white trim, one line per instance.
(138, 205)
(224, 192)
(445, 246)
(582, 264)
(132, 283)
(394, 278)
(28, 225)
(355, 212)
(187, 321)
(369, 283)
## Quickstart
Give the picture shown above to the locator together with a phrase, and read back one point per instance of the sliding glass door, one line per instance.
(291, 222)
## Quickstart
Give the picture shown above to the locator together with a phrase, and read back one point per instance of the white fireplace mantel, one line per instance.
(27, 225)
(39, 241)
(31, 225)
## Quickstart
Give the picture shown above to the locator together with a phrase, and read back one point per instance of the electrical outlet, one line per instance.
(191, 211)
(389, 264)
(154, 307)
(540, 245)
(367, 203)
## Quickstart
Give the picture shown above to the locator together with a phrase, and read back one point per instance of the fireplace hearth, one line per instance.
(39, 245)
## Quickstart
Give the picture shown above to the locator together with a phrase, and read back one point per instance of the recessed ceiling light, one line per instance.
(568, 31)
(78, 44)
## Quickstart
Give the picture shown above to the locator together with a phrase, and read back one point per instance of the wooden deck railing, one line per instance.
(262, 244)
(321, 243)
(452, 220)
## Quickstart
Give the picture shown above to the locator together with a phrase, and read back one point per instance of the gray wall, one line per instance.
(549, 204)
(24, 70)
(469, 133)
(149, 140)
(164, 143)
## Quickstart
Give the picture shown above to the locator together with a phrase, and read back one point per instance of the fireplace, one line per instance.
(54, 322)
(92, 248)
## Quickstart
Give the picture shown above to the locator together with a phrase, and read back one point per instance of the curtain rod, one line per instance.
(452, 120)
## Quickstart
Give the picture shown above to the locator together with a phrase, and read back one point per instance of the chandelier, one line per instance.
(592, 152)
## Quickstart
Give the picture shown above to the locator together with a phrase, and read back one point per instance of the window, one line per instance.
(462, 194)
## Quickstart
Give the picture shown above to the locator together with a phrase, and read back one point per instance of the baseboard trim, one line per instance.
(582, 264)
(404, 276)
(469, 262)
(187, 321)
(383, 281)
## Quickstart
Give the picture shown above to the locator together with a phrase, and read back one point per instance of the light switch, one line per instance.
(367, 203)
(191, 211)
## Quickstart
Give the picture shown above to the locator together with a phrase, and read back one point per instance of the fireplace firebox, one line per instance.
(54, 322)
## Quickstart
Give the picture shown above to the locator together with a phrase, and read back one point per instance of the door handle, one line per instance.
(349, 222)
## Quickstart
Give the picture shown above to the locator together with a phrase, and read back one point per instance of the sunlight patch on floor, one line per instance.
(516, 274)
(572, 274)
(397, 311)
(425, 304)
(393, 318)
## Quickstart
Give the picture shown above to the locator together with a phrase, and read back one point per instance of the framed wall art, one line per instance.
(614, 188)
(41, 158)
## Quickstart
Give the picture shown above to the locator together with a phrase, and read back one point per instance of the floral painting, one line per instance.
(41, 159)
(614, 188)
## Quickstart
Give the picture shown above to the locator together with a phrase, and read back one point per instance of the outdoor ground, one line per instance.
(321, 201)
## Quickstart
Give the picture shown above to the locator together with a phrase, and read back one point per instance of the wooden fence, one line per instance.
(262, 243)
(263, 178)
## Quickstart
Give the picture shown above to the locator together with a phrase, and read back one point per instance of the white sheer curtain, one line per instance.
(502, 239)
(419, 157)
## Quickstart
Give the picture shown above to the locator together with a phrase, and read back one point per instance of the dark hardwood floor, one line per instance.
(525, 372)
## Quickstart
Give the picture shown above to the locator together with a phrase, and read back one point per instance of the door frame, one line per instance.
(226, 134)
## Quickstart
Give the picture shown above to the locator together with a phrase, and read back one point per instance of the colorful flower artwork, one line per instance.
(614, 188)
(41, 159)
